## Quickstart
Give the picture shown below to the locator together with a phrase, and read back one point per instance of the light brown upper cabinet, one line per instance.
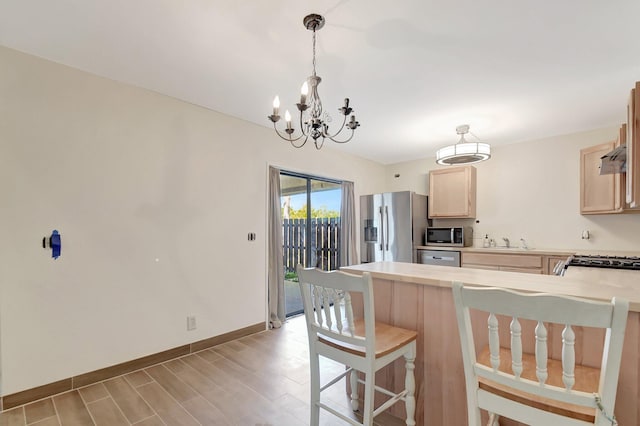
(599, 194)
(452, 192)
(603, 194)
(633, 149)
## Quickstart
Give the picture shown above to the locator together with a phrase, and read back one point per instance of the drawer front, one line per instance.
(487, 267)
(509, 260)
(523, 270)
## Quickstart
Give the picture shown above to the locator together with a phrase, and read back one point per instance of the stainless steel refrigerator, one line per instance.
(391, 225)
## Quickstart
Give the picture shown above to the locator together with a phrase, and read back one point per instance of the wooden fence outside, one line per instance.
(325, 243)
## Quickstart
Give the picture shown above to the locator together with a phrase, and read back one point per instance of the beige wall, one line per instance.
(153, 198)
(531, 190)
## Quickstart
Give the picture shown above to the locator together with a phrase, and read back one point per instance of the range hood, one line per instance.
(614, 161)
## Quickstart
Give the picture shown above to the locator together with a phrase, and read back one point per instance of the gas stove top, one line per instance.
(612, 262)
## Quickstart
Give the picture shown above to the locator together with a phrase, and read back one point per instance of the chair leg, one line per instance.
(410, 386)
(353, 377)
(315, 389)
(369, 387)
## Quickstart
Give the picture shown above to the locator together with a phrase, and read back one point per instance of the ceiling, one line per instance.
(413, 69)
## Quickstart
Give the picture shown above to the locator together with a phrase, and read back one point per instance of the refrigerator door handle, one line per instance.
(386, 239)
(381, 229)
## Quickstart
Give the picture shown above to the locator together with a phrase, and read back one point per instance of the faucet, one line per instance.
(506, 242)
(524, 244)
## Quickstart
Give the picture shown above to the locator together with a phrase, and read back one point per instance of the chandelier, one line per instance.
(463, 152)
(314, 122)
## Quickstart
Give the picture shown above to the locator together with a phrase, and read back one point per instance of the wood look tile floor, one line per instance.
(258, 380)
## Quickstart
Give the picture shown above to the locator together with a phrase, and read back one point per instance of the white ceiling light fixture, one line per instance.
(313, 122)
(463, 152)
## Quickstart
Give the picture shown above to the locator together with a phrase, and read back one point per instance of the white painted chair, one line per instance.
(361, 344)
(530, 388)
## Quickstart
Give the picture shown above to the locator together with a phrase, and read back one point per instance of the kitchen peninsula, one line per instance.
(418, 297)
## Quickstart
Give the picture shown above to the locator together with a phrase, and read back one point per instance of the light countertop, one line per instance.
(593, 286)
(501, 250)
(533, 251)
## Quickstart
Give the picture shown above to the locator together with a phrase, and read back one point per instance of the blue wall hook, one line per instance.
(55, 244)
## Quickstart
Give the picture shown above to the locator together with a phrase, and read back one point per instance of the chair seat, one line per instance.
(388, 339)
(587, 379)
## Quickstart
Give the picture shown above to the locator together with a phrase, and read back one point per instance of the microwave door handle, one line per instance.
(381, 229)
(452, 236)
(386, 213)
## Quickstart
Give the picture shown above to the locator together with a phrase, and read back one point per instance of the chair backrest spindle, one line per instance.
(494, 341)
(541, 353)
(568, 357)
(516, 347)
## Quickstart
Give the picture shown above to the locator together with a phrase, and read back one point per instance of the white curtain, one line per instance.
(276, 265)
(348, 243)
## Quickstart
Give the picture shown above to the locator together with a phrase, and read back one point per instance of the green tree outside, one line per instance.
(301, 213)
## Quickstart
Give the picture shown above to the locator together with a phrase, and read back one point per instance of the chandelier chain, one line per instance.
(314, 53)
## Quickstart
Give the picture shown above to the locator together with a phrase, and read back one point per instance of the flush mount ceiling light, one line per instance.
(463, 152)
(313, 122)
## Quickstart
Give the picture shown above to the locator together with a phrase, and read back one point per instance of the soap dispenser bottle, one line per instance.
(485, 242)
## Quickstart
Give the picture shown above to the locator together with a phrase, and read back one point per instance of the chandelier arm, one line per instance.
(290, 139)
(344, 141)
(302, 126)
(344, 121)
(302, 144)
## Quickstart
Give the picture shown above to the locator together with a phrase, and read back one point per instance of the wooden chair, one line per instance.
(360, 344)
(530, 388)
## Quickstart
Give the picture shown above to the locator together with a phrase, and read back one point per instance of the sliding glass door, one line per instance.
(310, 228)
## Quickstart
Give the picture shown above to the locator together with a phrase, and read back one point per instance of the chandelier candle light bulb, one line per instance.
(304, 91)
(287, 118)
(313, 121)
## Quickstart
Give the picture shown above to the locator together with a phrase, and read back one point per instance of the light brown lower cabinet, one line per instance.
(550, 262)
(527, 263)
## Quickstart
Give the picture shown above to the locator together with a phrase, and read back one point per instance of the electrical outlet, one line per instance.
(191, 323)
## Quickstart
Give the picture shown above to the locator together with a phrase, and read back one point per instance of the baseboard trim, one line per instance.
(24, 397)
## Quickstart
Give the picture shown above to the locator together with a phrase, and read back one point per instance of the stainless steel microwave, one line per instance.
(461, 236)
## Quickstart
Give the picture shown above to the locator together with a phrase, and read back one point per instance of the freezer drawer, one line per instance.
(439, 257)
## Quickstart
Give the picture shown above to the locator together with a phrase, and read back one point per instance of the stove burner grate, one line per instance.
(612, 262)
